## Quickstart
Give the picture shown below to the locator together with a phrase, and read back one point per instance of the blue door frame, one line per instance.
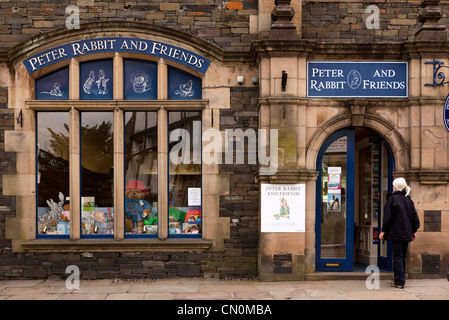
(337, 264)
(347, 264)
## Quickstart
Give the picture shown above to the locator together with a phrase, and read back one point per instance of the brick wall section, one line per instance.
(242, 203)
(346, 21)
(226, 27)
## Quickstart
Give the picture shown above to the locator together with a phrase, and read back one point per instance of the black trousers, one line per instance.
(399, 256)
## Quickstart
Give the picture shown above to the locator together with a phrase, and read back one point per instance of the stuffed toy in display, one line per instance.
(137, 209)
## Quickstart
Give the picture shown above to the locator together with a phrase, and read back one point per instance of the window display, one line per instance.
(97, 177)
(141, 174)
(53, 207)
(185, 205)
(92, 150)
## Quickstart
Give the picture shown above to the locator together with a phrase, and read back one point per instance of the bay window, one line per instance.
(104, 147)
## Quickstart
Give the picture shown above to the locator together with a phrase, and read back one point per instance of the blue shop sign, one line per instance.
(343, 79)
(101, 45)
(446, 113)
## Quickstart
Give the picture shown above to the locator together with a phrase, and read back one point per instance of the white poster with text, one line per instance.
(283, 207)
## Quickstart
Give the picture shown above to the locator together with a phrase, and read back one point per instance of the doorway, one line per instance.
(355, 175)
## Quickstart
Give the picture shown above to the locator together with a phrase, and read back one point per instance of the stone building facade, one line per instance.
(260, 59)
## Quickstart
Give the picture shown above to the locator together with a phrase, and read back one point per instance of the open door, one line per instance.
(335, 203)
(355, 175)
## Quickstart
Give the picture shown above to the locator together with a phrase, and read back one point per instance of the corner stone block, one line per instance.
(218, 97)
(19, 141)
(19, 184)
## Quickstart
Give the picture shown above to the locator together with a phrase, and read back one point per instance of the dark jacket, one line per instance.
(400, 218)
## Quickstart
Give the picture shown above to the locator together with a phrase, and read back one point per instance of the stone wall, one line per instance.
(241, 205)
(343, 21)
(224, 23)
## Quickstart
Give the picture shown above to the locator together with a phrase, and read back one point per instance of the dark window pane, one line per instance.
(185, 205)
(97, 177)
(53, 173)
(141, 191)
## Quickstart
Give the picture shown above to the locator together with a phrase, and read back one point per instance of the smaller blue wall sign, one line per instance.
(446, 113)
(343, 79)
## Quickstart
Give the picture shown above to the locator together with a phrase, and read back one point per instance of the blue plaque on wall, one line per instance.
(344, 79)
(183, 85)
(140, 80)
(53, 86)
(96, 80)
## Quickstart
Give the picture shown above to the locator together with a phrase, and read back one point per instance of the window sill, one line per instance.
(111, 245)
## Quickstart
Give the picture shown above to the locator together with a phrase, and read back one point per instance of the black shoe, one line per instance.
(399, 286)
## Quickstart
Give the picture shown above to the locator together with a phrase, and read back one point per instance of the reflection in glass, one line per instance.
(333, 208)
(97, 177)
(141, 173)
(53, 216)
(184, 193)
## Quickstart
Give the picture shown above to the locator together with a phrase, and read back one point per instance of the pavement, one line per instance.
(216, 289)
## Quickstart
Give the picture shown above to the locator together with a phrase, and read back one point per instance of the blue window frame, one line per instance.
(53, 86)
(140, 80)
(97, 80)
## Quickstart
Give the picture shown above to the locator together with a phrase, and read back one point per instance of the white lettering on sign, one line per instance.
(320, 85)
(333, 73)
(47, 57)
(81, 48)
(384, 73)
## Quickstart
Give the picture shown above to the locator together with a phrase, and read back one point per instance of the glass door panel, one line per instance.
(335, 203)
(333, 223)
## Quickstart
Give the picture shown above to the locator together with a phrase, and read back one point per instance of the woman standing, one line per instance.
(400, 224)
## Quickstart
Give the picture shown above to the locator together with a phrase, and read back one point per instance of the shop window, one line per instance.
(102, 182)
(184, 179)
(183, 85)
(141, 168)
(53, 86)
(97, 177)
(140, 80)
(53, 209)
(96, 80)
